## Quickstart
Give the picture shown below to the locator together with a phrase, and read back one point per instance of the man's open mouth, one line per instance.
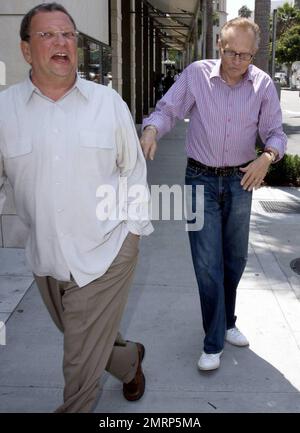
(60, 58)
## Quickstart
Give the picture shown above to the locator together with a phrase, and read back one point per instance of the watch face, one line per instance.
(271, 153)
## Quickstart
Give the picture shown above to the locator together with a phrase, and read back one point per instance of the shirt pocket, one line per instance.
(97, 153)
(17, 148)
(18, 161)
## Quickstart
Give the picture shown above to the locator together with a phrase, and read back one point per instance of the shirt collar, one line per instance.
(216, 72)
(250, 75)
(29, 88)
(82, 86)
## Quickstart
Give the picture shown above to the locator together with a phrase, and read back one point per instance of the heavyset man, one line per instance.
(62, 137)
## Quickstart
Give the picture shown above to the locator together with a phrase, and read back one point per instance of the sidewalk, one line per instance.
(164, 313)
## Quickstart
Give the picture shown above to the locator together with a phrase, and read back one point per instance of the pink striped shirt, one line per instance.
(224, 120)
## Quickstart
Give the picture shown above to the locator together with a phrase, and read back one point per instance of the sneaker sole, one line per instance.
(236, 344)
(211, 368)
(208, 369)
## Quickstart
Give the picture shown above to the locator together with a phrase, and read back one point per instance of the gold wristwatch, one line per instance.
(270, 152)
(151, 127)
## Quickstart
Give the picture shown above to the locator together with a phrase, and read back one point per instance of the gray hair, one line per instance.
(242, 23)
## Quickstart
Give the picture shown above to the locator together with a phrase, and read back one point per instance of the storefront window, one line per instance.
(106, 65)
(94, 60)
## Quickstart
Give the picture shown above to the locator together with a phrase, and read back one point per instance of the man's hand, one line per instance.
(256, 171)
(148, 142)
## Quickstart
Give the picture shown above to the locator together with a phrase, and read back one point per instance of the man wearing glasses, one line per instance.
(229, 101)
(62, 137)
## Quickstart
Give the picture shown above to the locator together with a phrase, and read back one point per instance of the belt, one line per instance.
(217, 171)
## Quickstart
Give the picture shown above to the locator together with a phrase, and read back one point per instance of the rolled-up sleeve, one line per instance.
(133, 173)
(270, 121)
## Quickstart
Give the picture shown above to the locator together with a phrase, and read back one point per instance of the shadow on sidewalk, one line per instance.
(168, 321)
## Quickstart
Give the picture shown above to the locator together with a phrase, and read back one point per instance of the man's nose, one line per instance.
(237, 59)
(60, 38)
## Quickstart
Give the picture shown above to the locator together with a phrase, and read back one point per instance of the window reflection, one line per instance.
(94, 60)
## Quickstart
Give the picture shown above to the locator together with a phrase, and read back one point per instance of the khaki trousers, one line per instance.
(89, 318)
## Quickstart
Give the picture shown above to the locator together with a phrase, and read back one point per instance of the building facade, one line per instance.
(220, 13)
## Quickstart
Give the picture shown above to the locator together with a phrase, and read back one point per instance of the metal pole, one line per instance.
(196, 38)
(274, 43)
(204, 28)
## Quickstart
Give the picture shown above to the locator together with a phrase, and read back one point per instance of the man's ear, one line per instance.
(25, 48)
(219, 45)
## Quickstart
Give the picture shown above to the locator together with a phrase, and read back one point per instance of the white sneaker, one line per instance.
(235, 337)
(209, 361)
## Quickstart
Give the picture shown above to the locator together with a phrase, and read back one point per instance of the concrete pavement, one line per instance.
(164, 313)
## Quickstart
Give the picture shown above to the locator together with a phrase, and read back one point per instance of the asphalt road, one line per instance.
(290, 104)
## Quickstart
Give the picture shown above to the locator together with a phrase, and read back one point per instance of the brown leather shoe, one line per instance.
(135, 389)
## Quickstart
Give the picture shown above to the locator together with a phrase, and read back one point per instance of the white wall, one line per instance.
(10, 52)
(91, 16)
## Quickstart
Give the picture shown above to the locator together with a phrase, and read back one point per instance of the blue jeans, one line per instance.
(219, 250)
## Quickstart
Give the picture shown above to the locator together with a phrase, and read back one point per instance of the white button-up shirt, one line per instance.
(58, 157)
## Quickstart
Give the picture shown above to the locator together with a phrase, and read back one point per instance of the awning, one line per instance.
(174, 19)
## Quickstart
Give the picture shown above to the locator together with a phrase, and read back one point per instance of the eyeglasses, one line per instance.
(70, 35)
(242, 56)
